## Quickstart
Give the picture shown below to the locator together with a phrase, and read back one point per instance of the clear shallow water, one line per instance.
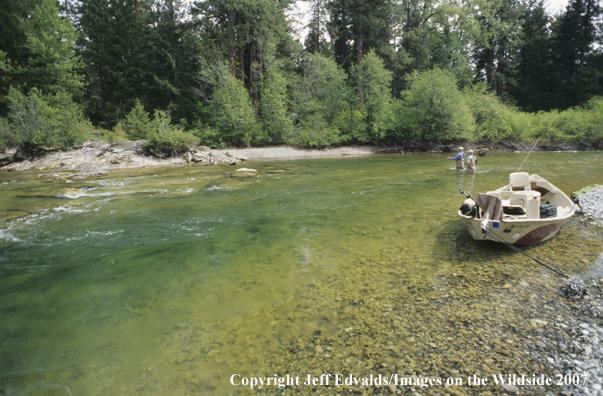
(168, 281)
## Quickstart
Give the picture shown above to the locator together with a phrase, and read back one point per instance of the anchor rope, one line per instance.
(500, 239)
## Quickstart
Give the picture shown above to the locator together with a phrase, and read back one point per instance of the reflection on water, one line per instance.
(168, 281)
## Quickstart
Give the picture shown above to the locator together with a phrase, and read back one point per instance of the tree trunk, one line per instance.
(359, 56)
(252, 73)
(232, 16)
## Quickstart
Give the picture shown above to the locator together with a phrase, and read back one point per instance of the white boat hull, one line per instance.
(519, 222)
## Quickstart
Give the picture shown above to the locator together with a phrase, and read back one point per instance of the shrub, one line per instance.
(315, 132)
(136, 125)
(117, 134)
(165, 136)
(489, 114)
(233, 114)
(433, 109)
(45, 122)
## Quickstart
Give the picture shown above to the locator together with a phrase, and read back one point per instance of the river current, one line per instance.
(170, 281)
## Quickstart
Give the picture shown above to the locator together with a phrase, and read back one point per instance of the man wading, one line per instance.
(471, 162)
(460, 159)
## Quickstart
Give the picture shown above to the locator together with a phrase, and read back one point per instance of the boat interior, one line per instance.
(524, 195)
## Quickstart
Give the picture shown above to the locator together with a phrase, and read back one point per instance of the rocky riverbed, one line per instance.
(592, 204)
(498, 315)
(95, 159)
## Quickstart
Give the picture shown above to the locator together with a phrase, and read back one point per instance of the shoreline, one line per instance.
(95, 158)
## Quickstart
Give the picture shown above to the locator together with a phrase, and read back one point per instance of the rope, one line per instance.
(499, 239)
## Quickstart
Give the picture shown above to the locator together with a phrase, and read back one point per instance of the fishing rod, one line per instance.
(501, 240)
(574, 288)
(524, 160)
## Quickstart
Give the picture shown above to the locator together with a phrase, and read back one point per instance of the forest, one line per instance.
(226, 73)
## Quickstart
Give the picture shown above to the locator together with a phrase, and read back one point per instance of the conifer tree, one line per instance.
(37, 50)
(574, 35)
(496, 43)
(357, 26)
(535, 82)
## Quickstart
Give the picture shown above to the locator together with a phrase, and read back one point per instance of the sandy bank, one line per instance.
(280, 152)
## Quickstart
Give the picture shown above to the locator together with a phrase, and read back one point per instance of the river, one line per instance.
(169, 281)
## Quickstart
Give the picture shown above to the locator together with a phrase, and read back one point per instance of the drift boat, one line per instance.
(528, 210)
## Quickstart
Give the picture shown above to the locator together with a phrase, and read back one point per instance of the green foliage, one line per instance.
(37, 50)
(321, 89)
(315, 132)
(433, 109)
(142, 50)
(579, 123)
(117, 134)
(6, 137)
(166, 136)
(492, 117)
(536, 67)
(234, 116)
(208, 136)
(359, 26)
(272, 107)
(574, 35)
(52, 65)
(496, 42)
(136, 125)
(375, 96)
(232, 70)
(352, 124)
(45, 122)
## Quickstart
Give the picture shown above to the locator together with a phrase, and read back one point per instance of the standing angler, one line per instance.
(471, 162)
(460, 159)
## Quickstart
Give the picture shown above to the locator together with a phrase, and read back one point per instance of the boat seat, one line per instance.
(528, 200)
(519, 181)
(514, 210)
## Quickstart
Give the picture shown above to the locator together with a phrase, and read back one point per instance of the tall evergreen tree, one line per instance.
(37, 50)
(316, 40)
(115, 46)
(497, 43)
(535, 81)
(358, 26)
(241, 30)
(174, 60)
(138, 50)
(573, 45)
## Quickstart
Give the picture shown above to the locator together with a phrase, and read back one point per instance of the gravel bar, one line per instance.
(583, 327)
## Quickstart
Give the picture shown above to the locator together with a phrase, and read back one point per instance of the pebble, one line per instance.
(453, 324)
(510, 388)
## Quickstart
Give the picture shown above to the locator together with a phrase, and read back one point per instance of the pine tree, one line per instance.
(574, 34)
(37, 50)
(496, 43)
(316, 41)
(535, 82)
(358, 26)
(114, 45)
(173, 61)
(241, 31)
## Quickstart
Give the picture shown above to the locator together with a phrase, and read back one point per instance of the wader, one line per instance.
(460, 164)
(471, 164)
